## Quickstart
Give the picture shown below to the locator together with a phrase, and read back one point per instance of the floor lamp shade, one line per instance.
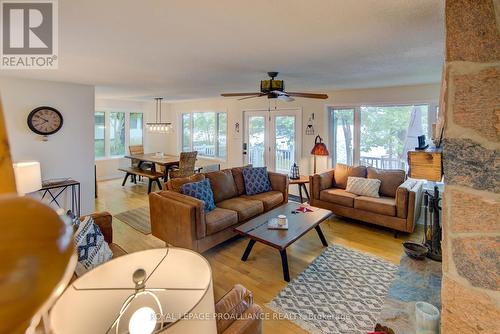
(28, 176)
(319, 149)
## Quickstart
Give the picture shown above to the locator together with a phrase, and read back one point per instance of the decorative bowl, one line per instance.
(415, 251)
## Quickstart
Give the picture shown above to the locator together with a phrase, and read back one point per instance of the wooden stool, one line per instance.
(301, 183)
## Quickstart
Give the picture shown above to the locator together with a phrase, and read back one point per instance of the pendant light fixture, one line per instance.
(158, 126)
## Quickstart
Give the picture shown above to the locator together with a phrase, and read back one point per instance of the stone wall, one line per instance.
(470, 106)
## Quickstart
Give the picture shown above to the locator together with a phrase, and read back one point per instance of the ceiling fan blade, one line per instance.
(251, 97)
(238, 94)
(308, 95)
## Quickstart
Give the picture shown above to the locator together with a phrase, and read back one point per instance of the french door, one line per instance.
(272, 138)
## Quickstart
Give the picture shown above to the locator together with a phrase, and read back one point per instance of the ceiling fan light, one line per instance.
(285, 98)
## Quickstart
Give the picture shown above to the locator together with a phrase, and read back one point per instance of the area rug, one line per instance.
(342, 291)
(137, 218)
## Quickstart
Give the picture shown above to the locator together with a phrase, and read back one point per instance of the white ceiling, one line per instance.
(192, 49)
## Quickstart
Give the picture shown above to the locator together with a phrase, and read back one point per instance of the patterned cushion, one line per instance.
(90, 245)
(202, 191)
(256, 180)
(362, 186)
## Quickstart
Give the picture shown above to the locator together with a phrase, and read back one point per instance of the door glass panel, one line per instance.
(285, 143)
(256, 136)
(343, 136)
(388, 132)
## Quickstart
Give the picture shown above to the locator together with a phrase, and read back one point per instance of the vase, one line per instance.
(426, 318)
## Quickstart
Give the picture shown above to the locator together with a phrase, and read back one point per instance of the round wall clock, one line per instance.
(45, 121)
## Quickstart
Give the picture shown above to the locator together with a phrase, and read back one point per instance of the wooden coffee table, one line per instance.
(298, 225)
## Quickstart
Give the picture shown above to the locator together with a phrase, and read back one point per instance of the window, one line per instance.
(115, 131)
(136, 126)
(379, 136)
(205, 132)
(384, 134)
(99, 128)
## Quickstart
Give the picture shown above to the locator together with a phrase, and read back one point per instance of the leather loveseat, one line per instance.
(398, 206)
(181, 220)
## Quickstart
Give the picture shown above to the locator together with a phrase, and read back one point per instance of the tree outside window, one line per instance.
(117, 133)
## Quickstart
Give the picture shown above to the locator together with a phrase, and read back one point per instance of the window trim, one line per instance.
(431, 118)
(107, 112)
(180, 147)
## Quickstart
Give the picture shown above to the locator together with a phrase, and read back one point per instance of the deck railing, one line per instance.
(384, 162)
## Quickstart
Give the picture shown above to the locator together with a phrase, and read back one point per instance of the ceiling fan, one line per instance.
(275, 89)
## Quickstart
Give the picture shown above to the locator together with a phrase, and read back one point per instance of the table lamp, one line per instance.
(28, 177)
(165, 290)
(318, 149)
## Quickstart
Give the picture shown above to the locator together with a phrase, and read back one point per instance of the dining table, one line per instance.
(165, 160)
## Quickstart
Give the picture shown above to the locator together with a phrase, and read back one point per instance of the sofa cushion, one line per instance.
(270, 199)
(202, 191)
(390, 179)
(176, 184)
(382, 205)
(246, 208)
(256, 180)
(342, 172)
(223, 184)
(362, 186)
(338, 196)
(220, 219)
(238, 178)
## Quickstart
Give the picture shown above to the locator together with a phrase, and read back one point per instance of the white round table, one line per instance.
(181, 280)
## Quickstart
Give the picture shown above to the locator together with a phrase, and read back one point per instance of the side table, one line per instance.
(56, 189)
(301, 183)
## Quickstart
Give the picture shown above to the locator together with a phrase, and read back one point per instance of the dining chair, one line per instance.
(187, 161)
(138, 149)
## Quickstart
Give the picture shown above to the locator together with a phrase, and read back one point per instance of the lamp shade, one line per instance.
(319, 147)
(28, 176)
(180, 279)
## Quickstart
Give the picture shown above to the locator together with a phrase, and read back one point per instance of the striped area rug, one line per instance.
(137, 218)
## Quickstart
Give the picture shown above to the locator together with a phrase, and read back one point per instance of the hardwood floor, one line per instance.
(261, 273)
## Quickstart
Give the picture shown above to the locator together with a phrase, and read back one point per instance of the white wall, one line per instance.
(69, 152)
(107, 168)
(387, 95)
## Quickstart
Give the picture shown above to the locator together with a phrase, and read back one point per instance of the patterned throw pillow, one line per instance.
(256, 180)
(202, 191)
(91, 248)
(362, 186)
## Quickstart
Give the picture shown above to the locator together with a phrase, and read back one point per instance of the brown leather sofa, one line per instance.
(398, 206)
(181, 220)
(237, 314)
(105, 222)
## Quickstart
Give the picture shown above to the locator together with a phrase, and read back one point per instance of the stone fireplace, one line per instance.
(470, 115)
